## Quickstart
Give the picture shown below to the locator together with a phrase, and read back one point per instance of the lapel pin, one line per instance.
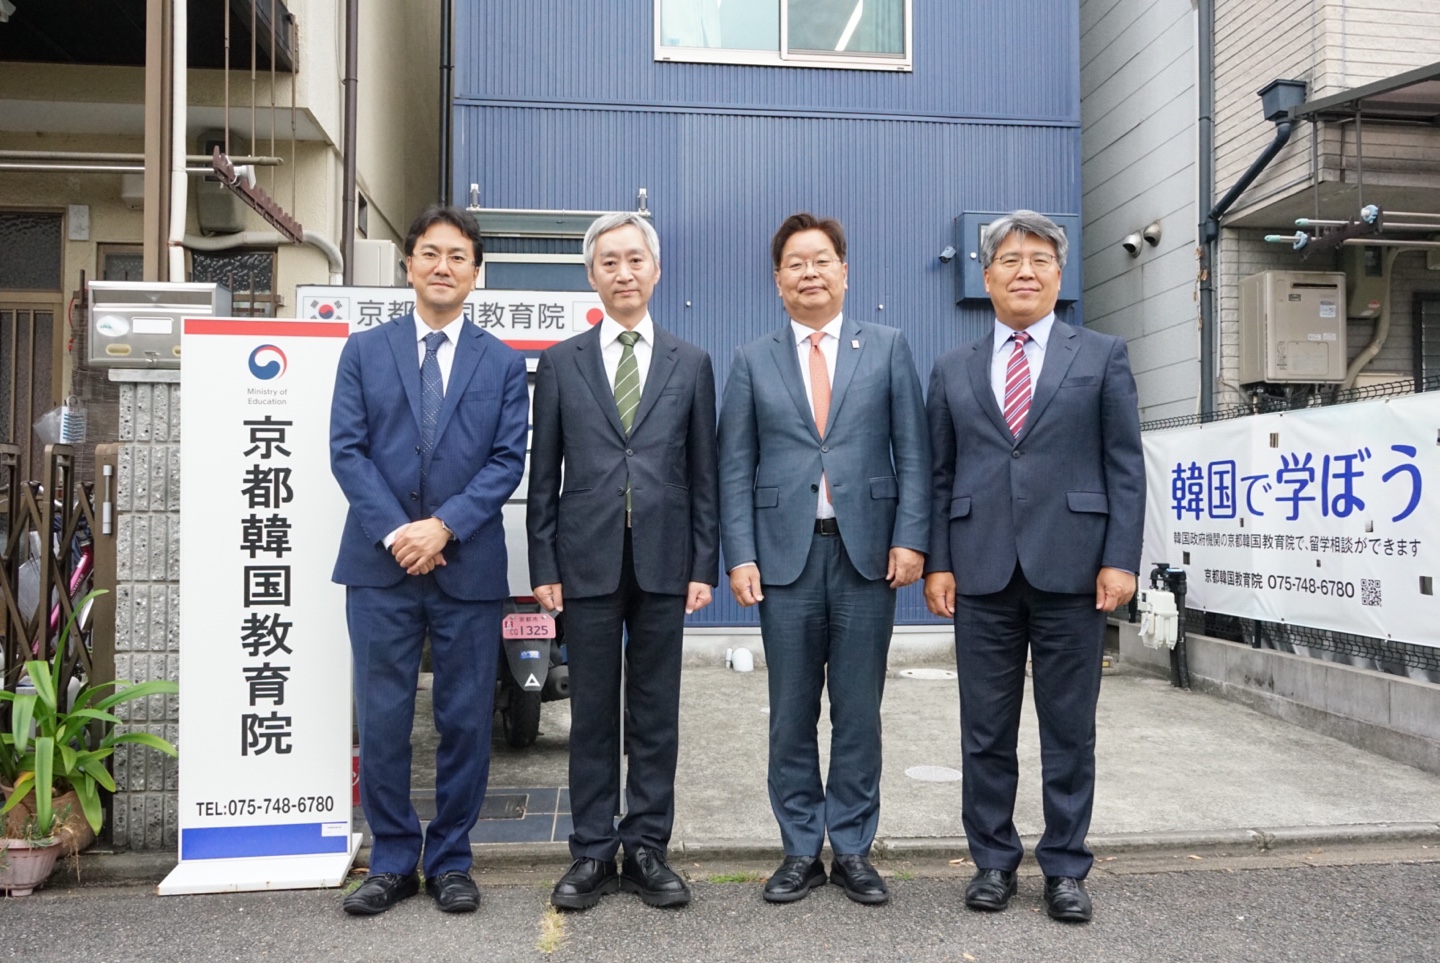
(855, 343)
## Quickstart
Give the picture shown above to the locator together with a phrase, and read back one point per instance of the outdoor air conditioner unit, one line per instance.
(1292, 327)
(378, 264)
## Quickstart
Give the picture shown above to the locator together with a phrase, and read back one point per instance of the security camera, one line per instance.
(1132, 244)
(947, 255)
(1152, 233)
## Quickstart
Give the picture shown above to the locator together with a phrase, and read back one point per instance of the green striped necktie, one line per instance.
(627, 395)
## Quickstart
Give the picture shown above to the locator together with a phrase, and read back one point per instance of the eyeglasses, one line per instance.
(431, 258)
(820, 264)
(1039, 262)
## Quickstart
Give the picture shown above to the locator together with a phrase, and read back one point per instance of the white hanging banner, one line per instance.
(1318, 517)
(265, 680)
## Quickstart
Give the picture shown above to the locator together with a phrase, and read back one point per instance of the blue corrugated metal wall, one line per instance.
(558, 106)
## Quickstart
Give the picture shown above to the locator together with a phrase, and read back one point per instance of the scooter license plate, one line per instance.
(527, 625)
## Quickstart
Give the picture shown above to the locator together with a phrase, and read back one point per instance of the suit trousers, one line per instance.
(830, 629)
(1065, 637)
(646, 629)
(388, 627)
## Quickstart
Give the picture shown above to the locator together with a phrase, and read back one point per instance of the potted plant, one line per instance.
(50, 751)
(27, 858)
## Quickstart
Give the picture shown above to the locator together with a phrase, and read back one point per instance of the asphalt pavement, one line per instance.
(1378, 913)
(1220, 834)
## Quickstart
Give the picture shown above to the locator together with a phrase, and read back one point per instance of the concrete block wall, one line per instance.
(1389, 715)
(147, 610)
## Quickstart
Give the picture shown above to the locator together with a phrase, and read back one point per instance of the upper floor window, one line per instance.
(855, 34)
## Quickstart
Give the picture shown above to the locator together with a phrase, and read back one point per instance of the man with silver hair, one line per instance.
(623, 527)
(1038, 511)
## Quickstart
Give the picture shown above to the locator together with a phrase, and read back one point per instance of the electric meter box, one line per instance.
(136, 324)
(1292, 327)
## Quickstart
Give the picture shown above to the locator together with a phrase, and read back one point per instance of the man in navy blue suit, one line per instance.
(427, 440)
(1038, 508)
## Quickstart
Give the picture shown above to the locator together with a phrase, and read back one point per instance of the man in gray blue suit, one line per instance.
(823, 471)
(1039, 506)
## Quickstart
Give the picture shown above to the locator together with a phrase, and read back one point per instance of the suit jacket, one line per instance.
(1064, 498)
(478, 458)
(575, 519)
(875, 453)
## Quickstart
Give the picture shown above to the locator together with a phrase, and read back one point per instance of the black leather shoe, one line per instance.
(862, 884)
(379, 892)
(1066, 899)
(794, 880)
(990, 890)
(454, 892)
(647, 874)
(584, 883)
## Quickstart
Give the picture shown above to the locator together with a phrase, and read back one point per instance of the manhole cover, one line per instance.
(928, 675)
(933, 773)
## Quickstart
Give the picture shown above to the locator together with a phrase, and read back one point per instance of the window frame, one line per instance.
(251, 300)
(783, 56)
(520, 257)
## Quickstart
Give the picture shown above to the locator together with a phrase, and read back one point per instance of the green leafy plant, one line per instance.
(63, 750)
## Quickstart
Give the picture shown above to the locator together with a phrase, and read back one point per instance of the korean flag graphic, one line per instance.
(327, 309)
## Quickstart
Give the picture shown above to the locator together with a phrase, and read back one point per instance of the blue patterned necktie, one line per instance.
(432, 396)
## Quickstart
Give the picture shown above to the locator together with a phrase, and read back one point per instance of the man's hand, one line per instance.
(550, 597)
(418, 546)
(940, 594)
(696, 597)
(745, 584)
(1113, 588)
(906, 564)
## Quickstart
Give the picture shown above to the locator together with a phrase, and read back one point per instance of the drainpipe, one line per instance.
(225, 242)
(1382, 326)
(1205, 165)
(347, 217)
(447, 81)
(1277, 98)
(179, 180)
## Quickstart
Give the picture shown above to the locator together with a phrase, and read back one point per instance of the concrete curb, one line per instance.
(116, 869)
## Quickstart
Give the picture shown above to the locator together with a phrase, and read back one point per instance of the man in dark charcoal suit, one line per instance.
(622, 520)
(1039, 504)
(427, 440)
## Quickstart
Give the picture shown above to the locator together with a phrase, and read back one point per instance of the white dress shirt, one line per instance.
(830, 348)
(445, 354)
(611, 349)
(1034, 354)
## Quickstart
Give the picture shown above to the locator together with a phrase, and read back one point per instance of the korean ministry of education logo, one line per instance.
(267, 362)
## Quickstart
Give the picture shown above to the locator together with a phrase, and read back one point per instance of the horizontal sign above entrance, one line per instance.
(525, 320)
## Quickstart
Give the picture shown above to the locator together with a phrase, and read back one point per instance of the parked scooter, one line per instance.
(534, 669)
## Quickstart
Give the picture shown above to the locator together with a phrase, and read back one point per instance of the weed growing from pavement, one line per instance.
(741, 877)
(552, 931)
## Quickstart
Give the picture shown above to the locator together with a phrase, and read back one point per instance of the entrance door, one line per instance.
(27, 376)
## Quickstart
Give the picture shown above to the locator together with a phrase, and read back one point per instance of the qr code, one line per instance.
(1369, 591)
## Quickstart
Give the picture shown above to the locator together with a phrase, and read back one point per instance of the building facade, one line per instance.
(557, 109)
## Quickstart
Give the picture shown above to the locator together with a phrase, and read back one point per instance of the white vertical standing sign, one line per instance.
(265, 674)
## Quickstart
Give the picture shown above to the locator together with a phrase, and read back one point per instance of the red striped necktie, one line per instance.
(1017, 385)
